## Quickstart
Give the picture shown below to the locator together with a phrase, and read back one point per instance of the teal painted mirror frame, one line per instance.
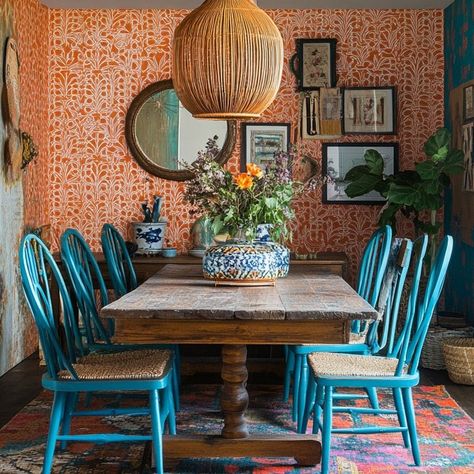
(140, 133)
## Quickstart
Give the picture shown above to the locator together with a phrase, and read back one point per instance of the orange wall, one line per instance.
(99, 60)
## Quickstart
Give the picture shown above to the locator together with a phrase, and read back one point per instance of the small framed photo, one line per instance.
(468, 104)
(260, 141)
(339, 158)
(314, 63)
(369, 111)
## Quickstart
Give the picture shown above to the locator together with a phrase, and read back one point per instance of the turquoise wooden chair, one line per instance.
(397, 371)
(83, 272)
(379, 333)
(69, 372)
(371, 273)
(119, 264)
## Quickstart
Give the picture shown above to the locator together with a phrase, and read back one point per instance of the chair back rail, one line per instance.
(83, 271)
(37, 266)
(119, 263)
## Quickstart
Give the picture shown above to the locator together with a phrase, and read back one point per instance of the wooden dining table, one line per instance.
(178, 306)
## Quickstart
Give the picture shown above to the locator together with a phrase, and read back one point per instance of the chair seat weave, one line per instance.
(140, 364)
(349, 365)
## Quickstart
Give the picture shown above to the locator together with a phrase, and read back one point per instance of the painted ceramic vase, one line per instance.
(282, 253)
(241, 263)
(149, 236)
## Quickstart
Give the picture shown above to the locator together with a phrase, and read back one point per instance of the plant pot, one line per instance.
(245, 264)
(149, 236)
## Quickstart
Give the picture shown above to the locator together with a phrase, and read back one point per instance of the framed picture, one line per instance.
(369, 110)
(314, 63)
(261, 140)
(339, 158)
(468, 104)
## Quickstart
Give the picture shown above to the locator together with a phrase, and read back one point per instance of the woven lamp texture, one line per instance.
(227, 60)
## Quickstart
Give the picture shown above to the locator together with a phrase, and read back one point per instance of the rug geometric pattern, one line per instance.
(446, 435)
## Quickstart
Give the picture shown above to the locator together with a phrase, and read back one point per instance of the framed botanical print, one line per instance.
(314, 63)
(369, 110)
(260, 141)
(468, 104)
(339, 158)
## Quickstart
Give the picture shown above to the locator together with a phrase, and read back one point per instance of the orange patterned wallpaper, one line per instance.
(99, 60)
(32, 30)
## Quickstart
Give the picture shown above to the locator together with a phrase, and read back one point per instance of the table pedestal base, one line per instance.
(305, 449)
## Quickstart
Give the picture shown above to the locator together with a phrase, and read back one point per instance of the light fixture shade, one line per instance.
(227, 60)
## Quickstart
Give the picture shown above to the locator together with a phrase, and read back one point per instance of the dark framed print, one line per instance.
(314, 63)
(260, 141)
(339, 158)
(468, 104)
(369, 110)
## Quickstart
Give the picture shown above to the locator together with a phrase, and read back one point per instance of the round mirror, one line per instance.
(162, 134)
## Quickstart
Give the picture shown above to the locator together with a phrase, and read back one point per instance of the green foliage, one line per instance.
(410, 192)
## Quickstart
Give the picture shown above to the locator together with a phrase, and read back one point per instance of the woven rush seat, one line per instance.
(349, 365)
(140, 364)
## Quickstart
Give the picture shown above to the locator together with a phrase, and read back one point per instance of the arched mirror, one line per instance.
(162, 134)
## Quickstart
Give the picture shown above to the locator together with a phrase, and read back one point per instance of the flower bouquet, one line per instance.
(237, 203)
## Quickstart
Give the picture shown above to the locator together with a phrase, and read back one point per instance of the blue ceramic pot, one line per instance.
(149, 236)
(241, 263)
(282, 253)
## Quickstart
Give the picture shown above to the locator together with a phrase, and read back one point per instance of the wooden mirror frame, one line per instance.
(143, 160)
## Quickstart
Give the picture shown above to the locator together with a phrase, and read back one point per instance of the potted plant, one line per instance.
(236, 204)
(417, 194)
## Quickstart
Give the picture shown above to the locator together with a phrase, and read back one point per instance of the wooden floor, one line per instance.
(23, 383)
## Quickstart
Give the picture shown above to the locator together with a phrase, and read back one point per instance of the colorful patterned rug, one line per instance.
(446, 435)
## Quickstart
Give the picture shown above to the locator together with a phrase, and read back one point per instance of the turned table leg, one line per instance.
(235, 399)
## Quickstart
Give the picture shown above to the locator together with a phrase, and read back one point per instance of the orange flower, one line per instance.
(254, 170)
(243, 181)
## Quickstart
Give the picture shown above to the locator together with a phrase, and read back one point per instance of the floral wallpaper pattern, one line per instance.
(99, 60)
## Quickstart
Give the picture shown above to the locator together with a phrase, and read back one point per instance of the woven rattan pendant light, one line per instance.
(227, 60)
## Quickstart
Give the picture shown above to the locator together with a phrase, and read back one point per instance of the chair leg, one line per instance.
(372, 394)
(175, 385)
(302, 393)
(326, 432)
(156, 431)
(289, 368)
(296, 385)
(310, 400)
(402, 419)
(172, 411)
(57, 413)
(411, 422)
(69, 407)
(319, 400)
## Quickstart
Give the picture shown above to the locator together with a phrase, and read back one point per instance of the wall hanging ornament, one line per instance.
(227, 60)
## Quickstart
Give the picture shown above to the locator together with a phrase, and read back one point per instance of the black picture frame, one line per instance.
(328, 189)
(360, 129)
(468, 104)
(297, 63)
(246, 150)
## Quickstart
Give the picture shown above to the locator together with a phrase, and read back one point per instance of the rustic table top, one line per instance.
(180, 292)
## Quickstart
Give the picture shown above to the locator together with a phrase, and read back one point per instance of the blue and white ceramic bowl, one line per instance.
(149, 236)
(282, 253)
(246, 264)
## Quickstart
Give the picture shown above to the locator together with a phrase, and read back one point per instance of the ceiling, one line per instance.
(261, 3)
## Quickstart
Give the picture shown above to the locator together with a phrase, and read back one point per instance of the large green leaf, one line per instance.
(356, 172)
(437, 141)
(362, 185)
(388, 215)
(427, 170)
(374, 162)
(454, 162)
(403, 194)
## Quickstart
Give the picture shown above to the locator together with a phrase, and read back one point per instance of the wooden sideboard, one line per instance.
(146, 266)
